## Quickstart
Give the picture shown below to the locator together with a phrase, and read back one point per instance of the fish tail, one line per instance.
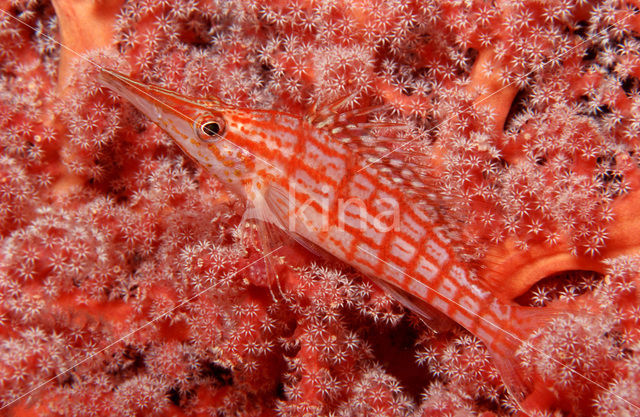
(515, 332)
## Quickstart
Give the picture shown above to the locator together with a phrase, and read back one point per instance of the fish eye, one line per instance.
(209, 128)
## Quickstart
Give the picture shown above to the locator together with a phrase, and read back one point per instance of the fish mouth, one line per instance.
(153, 101)
(175, 114)
(169, 111)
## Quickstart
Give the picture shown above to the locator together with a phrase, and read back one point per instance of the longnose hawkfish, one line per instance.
(294, 173)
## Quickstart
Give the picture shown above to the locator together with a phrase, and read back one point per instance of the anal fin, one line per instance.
(432, 317)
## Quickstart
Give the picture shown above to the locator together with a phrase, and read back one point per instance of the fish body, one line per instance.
(295, 174)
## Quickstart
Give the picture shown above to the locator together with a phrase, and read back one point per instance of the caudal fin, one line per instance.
(523, 322)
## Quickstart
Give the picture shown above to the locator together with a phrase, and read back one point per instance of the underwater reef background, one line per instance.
(130, 287)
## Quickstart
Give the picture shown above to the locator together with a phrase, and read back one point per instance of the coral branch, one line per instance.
(495, 95)
(85, 25)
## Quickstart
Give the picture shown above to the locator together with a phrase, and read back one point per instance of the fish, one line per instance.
(294, 172)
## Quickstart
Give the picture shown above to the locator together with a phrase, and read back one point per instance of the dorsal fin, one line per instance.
(319, 113)
(379, 141)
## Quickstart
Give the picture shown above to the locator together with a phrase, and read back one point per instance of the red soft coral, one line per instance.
(127, 285)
